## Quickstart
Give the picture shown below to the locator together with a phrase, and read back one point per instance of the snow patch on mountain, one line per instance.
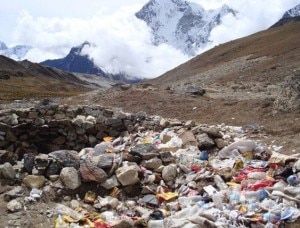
(294, 12)
(17, 52)
(181, 24)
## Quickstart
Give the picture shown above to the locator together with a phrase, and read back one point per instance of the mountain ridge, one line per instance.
(184, 25)
(17, 52)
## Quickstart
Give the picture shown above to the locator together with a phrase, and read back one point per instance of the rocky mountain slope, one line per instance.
(242, 78)
(181, 24)
(76, 62)
(17, 52)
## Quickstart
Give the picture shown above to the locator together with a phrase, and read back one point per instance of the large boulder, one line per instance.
(144, 151)
(91, 172)
(67, 158)
(127, 175)
(70, 177)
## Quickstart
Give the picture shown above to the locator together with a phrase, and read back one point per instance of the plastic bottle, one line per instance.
(292, 180)
(217, 199)
(220, 183)
(234, 197)
(204, 155)
(255, 196)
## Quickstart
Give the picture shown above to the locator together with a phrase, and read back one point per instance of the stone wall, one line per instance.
(48, 128)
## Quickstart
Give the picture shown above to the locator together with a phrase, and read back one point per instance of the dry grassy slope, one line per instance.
(279, 47)
(36, 82)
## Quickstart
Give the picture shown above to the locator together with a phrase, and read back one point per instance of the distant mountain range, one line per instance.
(77, 62)
(17, 52)
(289, 16)
(184, 25)
(181, 24)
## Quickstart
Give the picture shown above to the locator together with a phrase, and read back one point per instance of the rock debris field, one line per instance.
(78, 166)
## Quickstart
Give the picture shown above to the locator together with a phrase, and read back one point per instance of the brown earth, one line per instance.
(242, 79)
(25, 80)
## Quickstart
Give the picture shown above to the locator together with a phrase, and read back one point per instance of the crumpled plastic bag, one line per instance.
(237, 148)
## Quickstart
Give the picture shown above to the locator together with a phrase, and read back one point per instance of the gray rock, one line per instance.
(127, 175)
(104, 161)
(150, 200)
(101, 148)
(195, 90)
(33, 181)
(113, 122)
(110, 183)
(189, 124)
(124, 223)
(14, 193)
(14, 206)
(78, 121)
(7, 156)
(59, 116)
(92, 139)
(153, 163)
(67, 158)
(163, 123)
(220, 143)
(11, 120)
(212, 132)
(11, 137)
(7, 171)
(70, 177)
(39, 122)
(204, 141)
(28, 162)
(91, 172)
(144, 151)
(188, 139)
(169, 172)
(87, 125)
(167, 157)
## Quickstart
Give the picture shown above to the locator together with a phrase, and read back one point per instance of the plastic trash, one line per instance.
(237, 148)
(270, 217)
(254, 196)
(90, 197)
(234, 197)
(204, 155)
(261, 184)
(217, 200)
(167, 196)
(156, 215)
(220, 182)
(66, 211)
(292, 180)
(287, 214)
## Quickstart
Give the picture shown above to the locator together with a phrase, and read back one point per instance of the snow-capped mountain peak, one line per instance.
(17, 52)
(294, 12)
(181, 24)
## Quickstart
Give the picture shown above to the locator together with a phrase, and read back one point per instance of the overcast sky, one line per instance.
(123, 42)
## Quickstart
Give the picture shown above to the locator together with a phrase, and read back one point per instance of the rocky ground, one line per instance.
(238, 107)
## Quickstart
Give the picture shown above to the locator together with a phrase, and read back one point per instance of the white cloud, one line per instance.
(122, 42)
(253, 16)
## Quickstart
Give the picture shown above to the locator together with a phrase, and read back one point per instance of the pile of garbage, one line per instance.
(162, 179)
